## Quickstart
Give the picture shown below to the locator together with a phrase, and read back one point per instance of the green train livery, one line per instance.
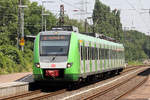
(68, 56)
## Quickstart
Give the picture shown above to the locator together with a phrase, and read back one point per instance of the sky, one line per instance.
(134, 13)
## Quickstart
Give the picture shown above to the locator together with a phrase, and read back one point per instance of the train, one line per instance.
(65, 55)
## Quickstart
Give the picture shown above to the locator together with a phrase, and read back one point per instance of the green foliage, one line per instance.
(135, 45)
(74, 22)
(107, 22)
(134, 63)
(11, 58)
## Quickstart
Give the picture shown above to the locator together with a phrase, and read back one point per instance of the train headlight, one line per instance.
(37, 65)
(69, 65)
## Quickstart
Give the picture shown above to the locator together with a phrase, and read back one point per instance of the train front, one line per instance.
(50, 55)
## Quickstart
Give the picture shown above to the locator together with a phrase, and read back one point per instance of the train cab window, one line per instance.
(54, 45)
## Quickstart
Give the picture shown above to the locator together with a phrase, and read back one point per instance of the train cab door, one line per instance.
(81, 56)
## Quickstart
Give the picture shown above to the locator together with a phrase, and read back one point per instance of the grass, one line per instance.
(135, 63)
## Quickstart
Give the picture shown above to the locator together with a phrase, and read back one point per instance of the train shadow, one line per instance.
(45, 87)
(145, 72)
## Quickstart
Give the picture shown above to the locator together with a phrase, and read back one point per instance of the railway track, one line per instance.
(142, 82)
(127, 69)
(115, 92)
(39, 95)
(33, 95)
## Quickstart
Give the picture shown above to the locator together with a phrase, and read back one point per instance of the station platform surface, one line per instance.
(13, 77)
(14, 83)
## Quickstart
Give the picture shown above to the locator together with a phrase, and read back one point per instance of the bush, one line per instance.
(13, 60)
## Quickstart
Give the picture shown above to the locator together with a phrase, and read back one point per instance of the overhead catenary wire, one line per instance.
(142, 19)
(71, 5)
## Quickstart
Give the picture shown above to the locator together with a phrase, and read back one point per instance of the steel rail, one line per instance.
(49, 95)
(21, 95)
(111, 89)
(131, 90)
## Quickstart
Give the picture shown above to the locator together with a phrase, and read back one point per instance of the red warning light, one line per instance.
(53, 65)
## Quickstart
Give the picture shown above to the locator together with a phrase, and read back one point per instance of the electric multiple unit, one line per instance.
(69, 56)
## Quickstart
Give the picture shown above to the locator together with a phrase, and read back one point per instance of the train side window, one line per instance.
(92, 53)
(104, 57)
(81, 51)
(120, 54)
(96, 53)
(102, 53)
(91, 57)
(85, 52)
(113, 54)
(94, 57)
(99, 54)
(88, 50)
(109, 53)
(116, 54)
(106, 52)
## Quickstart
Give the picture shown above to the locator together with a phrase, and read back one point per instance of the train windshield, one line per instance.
(54, 45)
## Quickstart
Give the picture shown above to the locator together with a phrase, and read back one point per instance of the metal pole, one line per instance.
(22, 27)
(19, 24)
(86, 25)
(45, 23)
(42, 15)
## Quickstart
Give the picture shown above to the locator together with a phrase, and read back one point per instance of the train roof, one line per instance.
(96, 39)
(83, 37)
